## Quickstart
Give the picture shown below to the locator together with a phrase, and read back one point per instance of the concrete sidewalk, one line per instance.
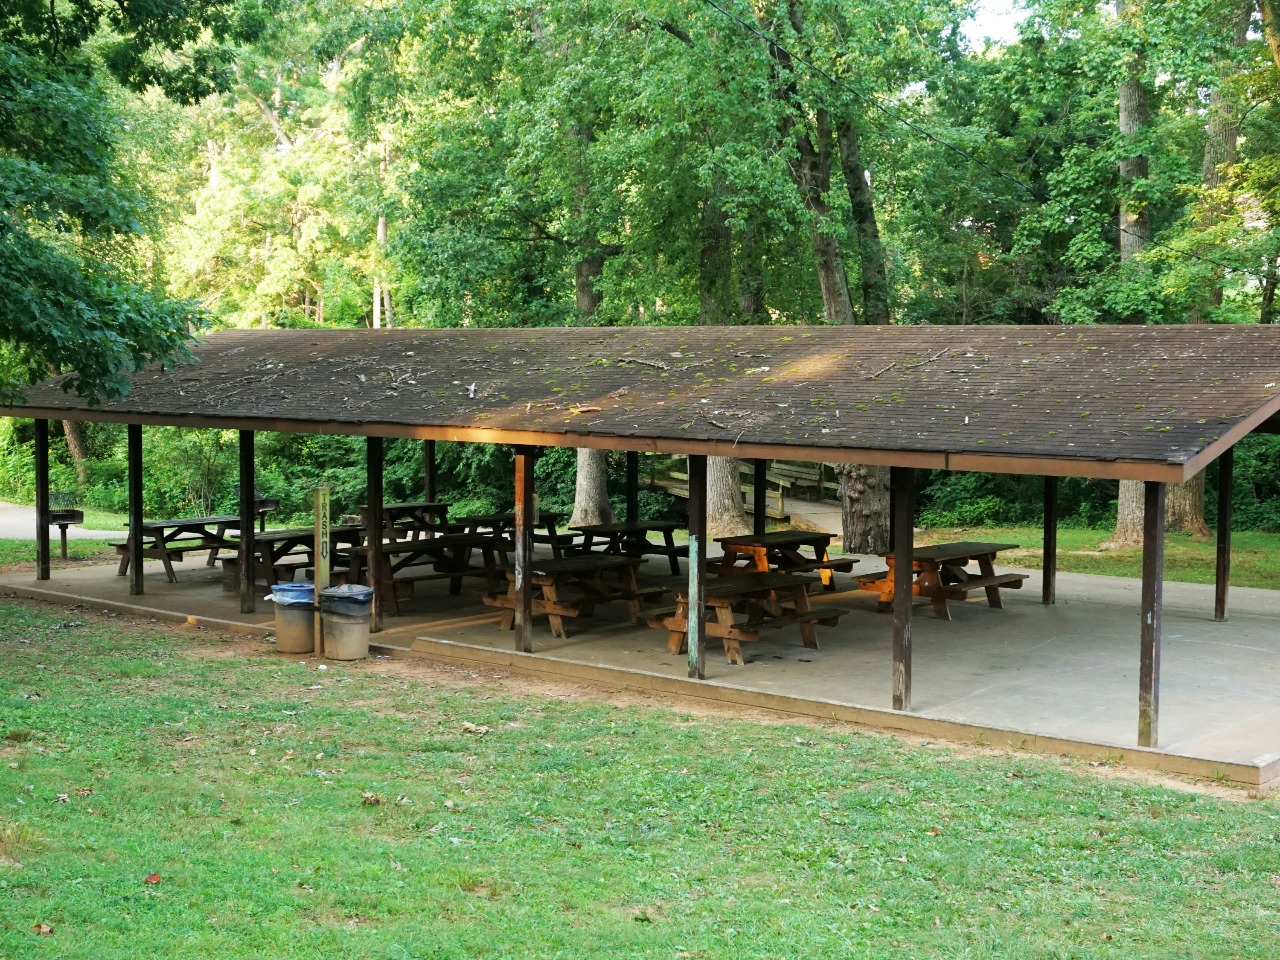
(18, 522)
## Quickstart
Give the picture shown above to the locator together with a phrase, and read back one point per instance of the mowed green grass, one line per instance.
(23, 552)
(1255, 556)
(286, 811)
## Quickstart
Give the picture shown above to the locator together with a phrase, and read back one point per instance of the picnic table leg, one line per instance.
(886, 588)
(552, 597)
(629, 584)
(929, 584)
(676, 638)
(800, 595)
(461, 560)
(986, 565)
(669, 537)
(508, 620)
(385, 588)
(168, 564)
(732, 646)
(828, 577)
(123, 568)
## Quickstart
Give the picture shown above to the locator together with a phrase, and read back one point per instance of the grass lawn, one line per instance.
(23, 552)
(163, 794)
(1255, 556)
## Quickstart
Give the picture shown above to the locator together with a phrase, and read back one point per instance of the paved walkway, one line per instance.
(18, 522)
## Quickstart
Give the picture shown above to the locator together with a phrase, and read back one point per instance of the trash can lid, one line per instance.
(348, 591)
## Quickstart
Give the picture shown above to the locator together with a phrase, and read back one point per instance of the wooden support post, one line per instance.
(902, 487)
(248, 509)
(525, 460)
(134, 456)
(1152, 598)
(373, 497)
(42, 500)
(696, 620)
(633, 486)
(324, 558)
(760, 496)
(1049, 570)
(1222, 575)
(429, 471)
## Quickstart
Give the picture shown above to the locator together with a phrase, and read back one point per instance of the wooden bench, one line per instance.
(940, 575)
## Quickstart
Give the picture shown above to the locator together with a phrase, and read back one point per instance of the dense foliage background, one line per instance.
(475, 162)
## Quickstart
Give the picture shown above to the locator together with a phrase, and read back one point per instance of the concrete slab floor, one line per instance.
(1067, 671)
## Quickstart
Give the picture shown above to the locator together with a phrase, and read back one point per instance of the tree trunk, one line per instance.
(1184, 508)
(715, 266)
(585, 295)
(836, 305)
(864, 507)
(1134, 114)
(377, 303)
(1267, 311)
(750, 275)
(1129, 512)
(875, 282)
(75, 447)
(591, 490)
(726, 516)
(1270, 11)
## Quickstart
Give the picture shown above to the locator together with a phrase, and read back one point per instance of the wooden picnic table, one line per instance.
(168, 540)
(941, 574)
(783, 550)
(505, 524)
(573, 586)
(631, 538)
(274, 551)
(416, 518)
(768, 599)
(448, 556)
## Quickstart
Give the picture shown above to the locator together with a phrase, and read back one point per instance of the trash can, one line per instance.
(345, 610)
(295, 617)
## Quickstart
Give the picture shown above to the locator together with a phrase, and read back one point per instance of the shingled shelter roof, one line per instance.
(1153, 403)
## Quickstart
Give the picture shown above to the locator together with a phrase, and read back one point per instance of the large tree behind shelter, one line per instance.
(74, 292)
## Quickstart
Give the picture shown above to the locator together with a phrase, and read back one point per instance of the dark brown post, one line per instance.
(42, 500)
(248, 507)
(633, 486)
(373, 497)
(760, 496)
(902, 487)
(429, 471)
(1152, 597)
(697, 566)
(1049, 571)
(525, 459)
(134, 433)
(1222, 576)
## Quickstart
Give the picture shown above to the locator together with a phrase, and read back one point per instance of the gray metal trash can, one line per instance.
(295, 617)
(345, 610)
